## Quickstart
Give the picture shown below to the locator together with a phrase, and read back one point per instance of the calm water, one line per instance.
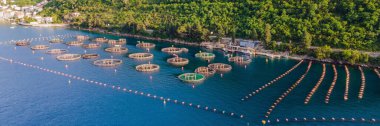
(33, 97)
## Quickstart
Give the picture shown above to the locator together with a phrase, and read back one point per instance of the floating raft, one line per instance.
(75, 43)
(172, 50)
(22, 43)
(69, 57)
(92, 46)
(116, 49)
(148, 67)
(100, 40)
(40, 47)
(82, 37)
(141, 56)
(108, 62)
(145, 45)
(56, 40)
(205, 71)
(90, 56)
(205, 55)
(192, 77)
(117, 42)
(220, 67)
(240, 60)
(56, 51)
(178, 61)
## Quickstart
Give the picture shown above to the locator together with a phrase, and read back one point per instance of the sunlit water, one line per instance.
(33, 97)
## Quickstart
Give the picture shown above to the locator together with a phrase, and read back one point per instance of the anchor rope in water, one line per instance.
(327, 99)
(282, 97)
(362, 86)
(127, 90)
(271, 82)
(321, 119)
(377, 72)
(347, 89)
(315, 88)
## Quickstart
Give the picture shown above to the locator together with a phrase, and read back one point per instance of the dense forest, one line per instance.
(350, 24)
(23, 2)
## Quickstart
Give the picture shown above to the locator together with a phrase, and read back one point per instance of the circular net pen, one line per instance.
(56, 51)
(148, 67)
(141, 56)
(192, 77)
(92, 46)
(205, 71)
(90, 56)
(117, 50)
(240, 60)
(74, 43)
(178, 61)
(82, 37)
(145, 45)
(69, 57)
(22, 43)
(172, 50)
(56, 40)
(108, 62)
(40, 47)
(100, 40)
(220, 67)
(205, 56)
(117, 42)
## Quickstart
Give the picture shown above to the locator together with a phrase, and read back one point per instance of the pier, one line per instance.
(331, 88)
(315, 88)
(362, 86)
(347, 89)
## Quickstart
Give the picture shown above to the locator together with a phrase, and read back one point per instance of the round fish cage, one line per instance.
(172, 50)
(108, 62)
(75, 43)
(145, 45)
(56, 51)
(117, 50)
(117, 42)
(240, 60)
(205, 55)
(82, 37)
(178, 61)
(69, 57)
(192, 77)
(100, 40)
(40, 47)
(148, 67)
(22, 43)
(92, 46)
(56, 40)
(220, 67)
(185, 50)
(205, 71)
(90, 56)
(141, 56)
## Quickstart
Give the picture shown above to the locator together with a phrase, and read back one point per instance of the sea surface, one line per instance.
(33, 97)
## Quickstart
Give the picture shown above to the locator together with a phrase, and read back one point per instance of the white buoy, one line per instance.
(66, 66)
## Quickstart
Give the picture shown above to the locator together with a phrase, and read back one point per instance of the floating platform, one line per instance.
(56, 51)
(100, 40)
(240, 60)
(205, 55)
(69, 57)
(74, 43)
(117, 42)
(178, 61)
(22, 43)
(220, 67)
(90, 56)
(108, 62)
(205, 71)
(192, 77)
(141, 56)
(56, 40)
(40, 47)
(145, 45)
(172, 50)
(92, 46)
(148, 67)
(82, 37)
(118, 50)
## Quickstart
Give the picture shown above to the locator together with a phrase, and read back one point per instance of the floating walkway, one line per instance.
(108, 62)
(178, 61)
(92, 46)
(90, 56)
(282, 97)
(39, 47)
(315, 88)
(130, 91)
(145, 45)
(271, 82)
(205, 55)
(377, 72)
(117, 50)
(206, 71)
(148, 67)
(220, 67)
(362, 86)
(193, 78)
(69, 57)
(277, 121)
(141, 56)
(347, 89)
(75, 43)
(327, 99)
(56, 51)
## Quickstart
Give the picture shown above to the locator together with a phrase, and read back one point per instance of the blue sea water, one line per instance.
(33, 97)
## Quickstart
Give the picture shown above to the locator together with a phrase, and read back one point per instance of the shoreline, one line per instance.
(258, 52)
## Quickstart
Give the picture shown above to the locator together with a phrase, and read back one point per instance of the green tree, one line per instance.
(323, 52)
(268, 34)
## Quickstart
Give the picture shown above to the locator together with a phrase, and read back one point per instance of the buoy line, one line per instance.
(377, 72)
(362, 86)
(11, 42)
(271, 82)
(130, 91)
(315, 88)
(346, 91)
(320, 119)
(282, 97)
(327, 99)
